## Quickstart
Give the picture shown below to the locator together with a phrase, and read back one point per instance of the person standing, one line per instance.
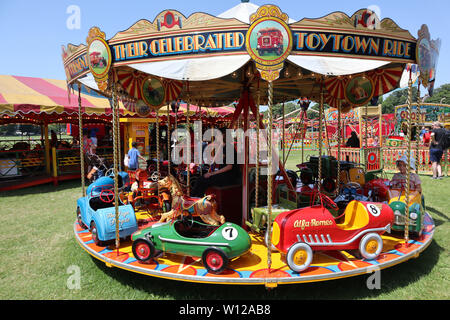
(353, 141)
(436, 149)
(133, 157)
(427, 137)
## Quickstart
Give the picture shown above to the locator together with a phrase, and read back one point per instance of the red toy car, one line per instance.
(298, 232)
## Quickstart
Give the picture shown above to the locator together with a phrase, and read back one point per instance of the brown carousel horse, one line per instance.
(205, 208)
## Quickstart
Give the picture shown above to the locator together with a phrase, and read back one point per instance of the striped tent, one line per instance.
(48, 100)
(37, 100)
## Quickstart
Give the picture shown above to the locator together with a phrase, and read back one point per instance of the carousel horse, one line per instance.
(205, 208)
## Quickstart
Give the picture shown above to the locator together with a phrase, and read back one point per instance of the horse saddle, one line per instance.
(188, 202)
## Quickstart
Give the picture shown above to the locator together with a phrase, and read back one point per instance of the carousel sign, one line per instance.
(268, 40)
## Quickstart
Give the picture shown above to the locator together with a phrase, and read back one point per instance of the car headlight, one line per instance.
(413, 215)
(397, 213)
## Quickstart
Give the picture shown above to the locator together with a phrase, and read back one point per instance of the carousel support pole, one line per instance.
(282, 145)
(188, 159)
(303, 131)
(245, 198)
(338, 182)
(116, 166)
(157, 149)
(319, 187)
(408, 160)
(80, 136)
(119, 163)
(366, 128)
(269, 176)
(360, 129)
(168, 138)
(418, 101)
(380, 126)
(257, 149)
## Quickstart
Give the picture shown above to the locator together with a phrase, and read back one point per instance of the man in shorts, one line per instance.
(134, 155)
(436, 149)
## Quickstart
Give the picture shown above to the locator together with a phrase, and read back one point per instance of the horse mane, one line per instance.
(176, 184)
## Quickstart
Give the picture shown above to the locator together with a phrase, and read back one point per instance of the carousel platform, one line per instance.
(252, 268)
(25, 182)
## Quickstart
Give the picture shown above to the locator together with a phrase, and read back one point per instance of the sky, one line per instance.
(32, 32)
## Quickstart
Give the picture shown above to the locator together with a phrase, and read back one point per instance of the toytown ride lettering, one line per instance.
(302, 224)
(353, 44)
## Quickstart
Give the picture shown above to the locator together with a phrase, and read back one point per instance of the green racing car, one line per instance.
(216, 245)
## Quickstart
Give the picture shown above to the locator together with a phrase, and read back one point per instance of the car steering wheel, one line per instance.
(188, 221)
(355, 185)
(325, 200)
(106, 196)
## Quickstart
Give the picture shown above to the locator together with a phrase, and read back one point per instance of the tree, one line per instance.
(397, 98)
(440, 94)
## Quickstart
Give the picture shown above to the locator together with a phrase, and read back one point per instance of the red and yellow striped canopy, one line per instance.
(48, 100)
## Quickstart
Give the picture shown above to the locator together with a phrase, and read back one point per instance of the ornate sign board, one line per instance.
(173, 36)
(153, 92)
(269, 41)
(98, 57)
(359, 90)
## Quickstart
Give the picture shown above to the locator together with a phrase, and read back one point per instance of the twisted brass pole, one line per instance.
(338, 179)
(408, 161)
(115, 164)
(157, 149)
(257, 149)
(168, 138)
(80, 134)
(269, 176)
(320, 140)
(418, 100)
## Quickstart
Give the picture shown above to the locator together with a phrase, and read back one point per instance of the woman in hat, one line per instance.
(400, 177)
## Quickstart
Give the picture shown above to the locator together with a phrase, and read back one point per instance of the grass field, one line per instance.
(38, 249)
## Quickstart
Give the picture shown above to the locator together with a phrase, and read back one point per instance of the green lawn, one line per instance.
(38, 248)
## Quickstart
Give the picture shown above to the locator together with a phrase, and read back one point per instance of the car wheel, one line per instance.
(94, 234)
(143, 250)
(299, 256)
(214, 260)
(80, 221)
(370, 246)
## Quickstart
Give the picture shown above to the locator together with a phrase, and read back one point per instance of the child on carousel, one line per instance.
(399, 179)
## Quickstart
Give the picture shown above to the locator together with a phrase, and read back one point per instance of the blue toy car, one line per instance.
(96, 211)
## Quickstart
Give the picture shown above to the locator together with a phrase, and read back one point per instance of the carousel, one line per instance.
(270, 228)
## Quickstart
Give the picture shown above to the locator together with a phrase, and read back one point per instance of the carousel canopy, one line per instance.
(208, 60)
